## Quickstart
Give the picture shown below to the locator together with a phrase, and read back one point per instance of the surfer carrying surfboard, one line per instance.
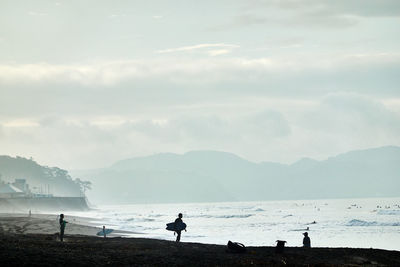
(178, 227)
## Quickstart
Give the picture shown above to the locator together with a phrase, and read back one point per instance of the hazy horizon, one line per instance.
(217, 151)
(87, 83)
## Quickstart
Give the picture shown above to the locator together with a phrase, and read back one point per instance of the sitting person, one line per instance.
(306, 241)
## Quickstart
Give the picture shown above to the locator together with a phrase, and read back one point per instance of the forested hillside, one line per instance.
(41, 179)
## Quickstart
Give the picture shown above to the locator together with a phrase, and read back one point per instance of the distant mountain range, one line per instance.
(204, 176)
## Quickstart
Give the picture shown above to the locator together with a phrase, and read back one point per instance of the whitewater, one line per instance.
(361, 223)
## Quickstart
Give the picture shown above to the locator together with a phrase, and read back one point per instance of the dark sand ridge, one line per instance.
(33, 242)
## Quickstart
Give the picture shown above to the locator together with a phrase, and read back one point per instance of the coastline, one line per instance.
(47, 224)
(33, 241)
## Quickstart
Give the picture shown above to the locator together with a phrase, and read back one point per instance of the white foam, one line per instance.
(389, 212)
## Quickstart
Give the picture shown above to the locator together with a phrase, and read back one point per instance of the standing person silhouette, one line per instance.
(178, 230)
(62, 226)
(306, 241)
(104, 231)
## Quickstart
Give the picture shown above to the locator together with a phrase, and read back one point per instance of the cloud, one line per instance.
(115, 71)
(295, 78)
(354, 117)
(196, 47)
(294, 20)
(114, 16)
(390, 8)
(310, 13)
(60, 138)
(375, 73)
(333, 124)
(20, 124)
(39, 14)
(247, 20)
(259, 131)
(267, 124)
(218, 52)
(148, 87)
(363, 8)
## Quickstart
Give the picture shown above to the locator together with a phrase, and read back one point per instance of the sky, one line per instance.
(84, 83)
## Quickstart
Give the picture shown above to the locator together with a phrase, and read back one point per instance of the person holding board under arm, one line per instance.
(177, 227)
(178, 230)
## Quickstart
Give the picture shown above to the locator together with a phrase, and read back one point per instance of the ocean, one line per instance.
(361, 223)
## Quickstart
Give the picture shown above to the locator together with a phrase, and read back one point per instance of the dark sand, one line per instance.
(19, 248)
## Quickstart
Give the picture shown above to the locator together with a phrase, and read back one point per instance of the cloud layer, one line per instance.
(265, 79)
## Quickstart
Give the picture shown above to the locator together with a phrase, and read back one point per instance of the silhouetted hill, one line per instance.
(41, 179)
(220, 176)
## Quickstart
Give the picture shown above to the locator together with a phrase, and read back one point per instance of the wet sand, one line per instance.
(33, 241)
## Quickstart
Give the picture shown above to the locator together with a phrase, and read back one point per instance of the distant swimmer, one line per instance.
(306, 241)
(62, 226)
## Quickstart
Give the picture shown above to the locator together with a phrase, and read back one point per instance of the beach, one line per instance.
(354, 223)
(34, 241)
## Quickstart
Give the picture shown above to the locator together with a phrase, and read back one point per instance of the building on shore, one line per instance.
(10, 191)
(21, 185)
(20, 188)
(17, 197)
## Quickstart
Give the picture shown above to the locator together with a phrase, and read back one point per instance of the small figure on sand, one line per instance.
(306, 241)
(104, 231)
(62, 226)
(177, 227)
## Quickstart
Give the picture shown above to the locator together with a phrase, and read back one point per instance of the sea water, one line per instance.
(362, 223)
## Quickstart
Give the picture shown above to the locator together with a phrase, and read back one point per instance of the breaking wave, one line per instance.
(388, 212)
(259, 209)
(223, 216)
(139, 220)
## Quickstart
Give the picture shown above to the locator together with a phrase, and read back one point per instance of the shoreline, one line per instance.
(17, 223)
(34, 241)
(90, 224)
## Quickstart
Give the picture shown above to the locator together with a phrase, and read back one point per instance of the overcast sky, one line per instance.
(86, 83)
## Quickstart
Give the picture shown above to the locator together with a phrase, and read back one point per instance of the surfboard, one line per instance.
(108, 231)
(178, 227)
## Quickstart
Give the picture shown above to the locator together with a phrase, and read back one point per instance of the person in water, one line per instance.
(62, 226)
(306, 241)
(178, 232)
